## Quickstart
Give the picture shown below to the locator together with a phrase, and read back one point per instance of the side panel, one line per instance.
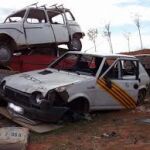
(39, 33)
(61, 33)
(14, 30)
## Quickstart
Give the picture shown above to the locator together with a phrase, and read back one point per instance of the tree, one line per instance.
(92, 34)
(137, 23)
(127, 36)
(107, 33)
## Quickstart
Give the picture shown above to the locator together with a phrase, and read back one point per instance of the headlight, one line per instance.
(39, 98)
(3, 85)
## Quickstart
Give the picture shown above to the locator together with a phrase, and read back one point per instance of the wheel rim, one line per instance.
(4, 55)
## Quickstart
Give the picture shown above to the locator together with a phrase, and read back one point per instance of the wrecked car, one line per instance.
(38, 27)
(75, 82)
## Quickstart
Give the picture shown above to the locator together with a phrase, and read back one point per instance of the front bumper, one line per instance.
(44, 113)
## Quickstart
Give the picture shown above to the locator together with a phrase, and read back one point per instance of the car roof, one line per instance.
(104, 55)
(55, 10)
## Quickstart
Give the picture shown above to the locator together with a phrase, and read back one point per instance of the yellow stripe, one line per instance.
(113, 94)
(130, 100)
(121, 97)
(133, 101)
(118, 94)
(126, 97)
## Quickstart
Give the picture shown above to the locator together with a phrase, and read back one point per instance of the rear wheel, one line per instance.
(5, 54)
(141, 97)
(75, 44)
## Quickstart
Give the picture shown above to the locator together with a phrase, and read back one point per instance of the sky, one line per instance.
(120, 14)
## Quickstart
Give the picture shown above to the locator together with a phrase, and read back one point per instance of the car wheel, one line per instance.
(141, 97)
(5, 54)
(75, 45)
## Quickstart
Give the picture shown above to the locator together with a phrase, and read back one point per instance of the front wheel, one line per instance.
(141, 97)
(5, 54)
(75, 44)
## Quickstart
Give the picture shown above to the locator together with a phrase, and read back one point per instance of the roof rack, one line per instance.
(57, 6)
(44, 6)
(34, 4)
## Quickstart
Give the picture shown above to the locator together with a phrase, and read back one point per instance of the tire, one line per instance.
(77, 109)
(141, 97)
(5, 54)
(75, 44)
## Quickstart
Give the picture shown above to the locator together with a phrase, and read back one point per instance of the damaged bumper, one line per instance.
(44, 113)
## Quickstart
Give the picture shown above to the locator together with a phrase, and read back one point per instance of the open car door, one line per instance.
(118, 85)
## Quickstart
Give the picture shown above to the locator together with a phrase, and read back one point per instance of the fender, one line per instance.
(12, 33)
(79, 95)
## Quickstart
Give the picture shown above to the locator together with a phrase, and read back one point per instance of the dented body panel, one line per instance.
(76, 79)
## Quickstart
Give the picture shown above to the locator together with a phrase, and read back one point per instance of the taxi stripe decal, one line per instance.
(128, 98)
(118, 93)
(119, 97)
(114, 95)
(125, 95)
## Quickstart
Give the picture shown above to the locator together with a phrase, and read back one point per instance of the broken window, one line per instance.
(57, 19)
(129, 69)
(36, 16)
(83, 64)
(69, 16)
(16, 17)
(113, 72)
(122, 69)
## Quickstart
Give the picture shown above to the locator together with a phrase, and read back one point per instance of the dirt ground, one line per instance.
(113, 130)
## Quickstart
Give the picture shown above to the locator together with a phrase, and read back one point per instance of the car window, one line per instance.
(36, 16)
(129, 69)
(108, 62)
(113, 71)
(16, 17)
(58, 19)
(69, 16)
(78, 63)
(122, 69)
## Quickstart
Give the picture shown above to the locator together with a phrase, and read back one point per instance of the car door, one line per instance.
(37, 28)
(59, 26)
(115, 89)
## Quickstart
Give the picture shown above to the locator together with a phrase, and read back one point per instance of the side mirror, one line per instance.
(108, 82)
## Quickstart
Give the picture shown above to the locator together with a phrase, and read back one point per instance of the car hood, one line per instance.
(42, 80)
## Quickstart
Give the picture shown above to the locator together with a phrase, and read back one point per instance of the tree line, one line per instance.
(93, 33)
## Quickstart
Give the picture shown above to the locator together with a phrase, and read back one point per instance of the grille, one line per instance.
(19, 97)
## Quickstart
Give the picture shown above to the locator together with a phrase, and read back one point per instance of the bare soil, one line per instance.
(113, 130)
(110, 130)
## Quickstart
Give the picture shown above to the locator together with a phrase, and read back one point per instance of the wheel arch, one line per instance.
(82, 101)
(78, 35)
(4, 37)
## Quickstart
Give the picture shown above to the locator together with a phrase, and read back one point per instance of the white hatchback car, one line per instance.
(76, 82)
(38, 27)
